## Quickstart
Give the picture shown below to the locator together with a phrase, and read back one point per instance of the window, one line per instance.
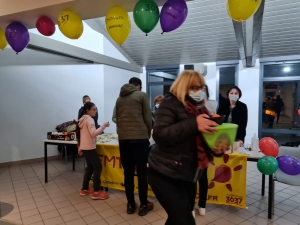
(160, 79)
(227, 78)
(280, 101)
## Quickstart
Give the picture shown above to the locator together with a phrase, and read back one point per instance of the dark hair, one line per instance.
(237, 88)
(135, 81)
(87, 106)
(207, 92)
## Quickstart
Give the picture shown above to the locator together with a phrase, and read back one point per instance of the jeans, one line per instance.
(203, 189)
(176, 197)
(134, 156)
(93, 167)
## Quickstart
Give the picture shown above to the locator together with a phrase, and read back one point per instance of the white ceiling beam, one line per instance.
(98, 28)
(50, 45)
(249, 42)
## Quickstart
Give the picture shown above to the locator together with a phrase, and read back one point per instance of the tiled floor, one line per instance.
(26, 199)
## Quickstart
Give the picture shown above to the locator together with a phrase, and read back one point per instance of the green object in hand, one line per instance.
(146, 15)
(225, 136)
(267, 165)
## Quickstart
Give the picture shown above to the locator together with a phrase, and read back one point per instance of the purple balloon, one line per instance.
(289, 165)
(17, 36)
(173, 15)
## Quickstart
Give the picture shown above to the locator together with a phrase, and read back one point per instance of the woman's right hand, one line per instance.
(106, 124)
(205, 125)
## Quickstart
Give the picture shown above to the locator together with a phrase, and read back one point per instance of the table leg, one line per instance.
(46, 162)
(73, 153)
(271, 196)
(263, 184)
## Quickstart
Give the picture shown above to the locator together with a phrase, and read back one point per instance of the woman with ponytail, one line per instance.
(86, 134)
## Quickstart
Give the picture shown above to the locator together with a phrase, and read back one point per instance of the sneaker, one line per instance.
(99, 196)
(193, 212)
(200, 210)
(144, 209)
(131, 208)
(87, 192)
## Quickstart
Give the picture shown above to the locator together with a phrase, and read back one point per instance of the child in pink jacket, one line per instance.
(86, 134)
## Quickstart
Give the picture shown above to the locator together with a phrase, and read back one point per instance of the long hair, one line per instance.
(183, 83)
(158, 98)
(87, 106)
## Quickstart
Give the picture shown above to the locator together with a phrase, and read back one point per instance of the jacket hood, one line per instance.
(127, 89)
(82, 120)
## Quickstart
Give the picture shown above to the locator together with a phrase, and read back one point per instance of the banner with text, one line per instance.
(227, 180)
(112, 174)
(226, 176)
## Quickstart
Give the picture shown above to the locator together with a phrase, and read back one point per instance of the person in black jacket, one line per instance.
(235, 112)
(278, 106)
(180, 154)
(86, 99)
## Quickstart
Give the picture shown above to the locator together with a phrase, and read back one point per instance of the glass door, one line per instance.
(159, 81)
(279, 102)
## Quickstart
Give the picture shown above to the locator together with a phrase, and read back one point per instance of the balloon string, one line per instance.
(17, 53)
(162, 33)
(146, 34)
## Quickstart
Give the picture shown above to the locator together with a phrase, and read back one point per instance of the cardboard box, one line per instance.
(61, 136)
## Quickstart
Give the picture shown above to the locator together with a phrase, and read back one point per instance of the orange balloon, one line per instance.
(269, 147)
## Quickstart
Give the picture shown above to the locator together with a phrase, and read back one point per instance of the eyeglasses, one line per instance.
(198, 88)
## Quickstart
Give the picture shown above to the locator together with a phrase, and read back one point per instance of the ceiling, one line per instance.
(208, 35)
(281, 28)
(30, 10)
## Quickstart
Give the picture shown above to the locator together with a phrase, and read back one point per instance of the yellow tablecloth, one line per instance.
(226, 176)
(112, 175)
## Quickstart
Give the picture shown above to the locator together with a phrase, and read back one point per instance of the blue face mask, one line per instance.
(202, 96)
(197, 96)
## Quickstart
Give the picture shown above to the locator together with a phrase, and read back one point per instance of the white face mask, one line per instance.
(233, 98)
(157, 105)
(198, 96)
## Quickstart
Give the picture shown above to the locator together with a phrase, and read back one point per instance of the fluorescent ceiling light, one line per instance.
(287, 69)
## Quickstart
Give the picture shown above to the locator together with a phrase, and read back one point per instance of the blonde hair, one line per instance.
(157, 98)
(184, 82)
(84, 98)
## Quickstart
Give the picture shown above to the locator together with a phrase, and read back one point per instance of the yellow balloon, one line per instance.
(70, 24)
(118, 24)
(240, 10)
(3, 41)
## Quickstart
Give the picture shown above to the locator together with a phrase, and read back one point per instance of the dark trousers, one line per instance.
(134, 155)
(176, 197)
(278, 115)
(203, 189)
(94, 168)
(271, 121)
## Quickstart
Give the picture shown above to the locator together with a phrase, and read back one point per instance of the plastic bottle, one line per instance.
(254, 144)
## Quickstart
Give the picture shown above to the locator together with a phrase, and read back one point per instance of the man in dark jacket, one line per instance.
(134, 122)
(86, 99)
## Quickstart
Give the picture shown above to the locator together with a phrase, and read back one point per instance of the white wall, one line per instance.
(211, 79)
(89, 40)
(113, 80)
(249, 84)
(37, 98)
(111, 51)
